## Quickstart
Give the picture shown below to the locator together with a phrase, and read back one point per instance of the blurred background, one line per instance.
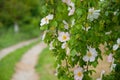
(19, 20)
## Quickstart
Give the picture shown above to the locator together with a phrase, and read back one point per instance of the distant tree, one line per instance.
(15, 12)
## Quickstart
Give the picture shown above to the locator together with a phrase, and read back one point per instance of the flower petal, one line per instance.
(115, 47)
(110, 58)
(64, 45)
(118, 41)
(86, 58)
(50, 16)
(92, 59)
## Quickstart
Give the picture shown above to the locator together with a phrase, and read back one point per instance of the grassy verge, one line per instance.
(45, 67)
(7, 64)
(8, 37)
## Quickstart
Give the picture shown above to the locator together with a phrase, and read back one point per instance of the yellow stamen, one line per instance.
(89, 54)
(46, 19)
(79, 74)
(91, 12)
(64, 37)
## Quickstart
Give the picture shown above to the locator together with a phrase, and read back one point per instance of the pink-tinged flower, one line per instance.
(46, 19)
(93, 14)
(91, 55)
(78, 73)
(63, 36)
(110, 58)
(71, 9)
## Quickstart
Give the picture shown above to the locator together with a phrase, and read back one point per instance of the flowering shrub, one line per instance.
(74, 30)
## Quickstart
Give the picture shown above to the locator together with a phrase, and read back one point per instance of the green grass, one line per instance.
(7, 64)
(46, 67)
(8, 37)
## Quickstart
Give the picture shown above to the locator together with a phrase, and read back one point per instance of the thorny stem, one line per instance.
(55, 6)
(66, 63)
(87, 65)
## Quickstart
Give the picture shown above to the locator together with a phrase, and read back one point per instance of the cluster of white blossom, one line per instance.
(71, 6)
(93, 14)
(63, 37)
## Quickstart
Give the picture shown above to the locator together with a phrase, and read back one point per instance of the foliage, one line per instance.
(45, 66)
(21, 12)
(7, 64)
(76, 31)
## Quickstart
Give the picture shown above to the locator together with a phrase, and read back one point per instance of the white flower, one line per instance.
(66, 26)
(46, 19)
(108, 33)
(86, 28)
(78, 73)
(115, 12)
(64, 45)
(118, 41)
(93, 14)
(63, 36)
(66, 1)
(51, 45)
(91, 54)
(71, 6)
(101, 0)
(112, 67)
(71, 9)
(110, 57)
(116, 46)
(44, 34)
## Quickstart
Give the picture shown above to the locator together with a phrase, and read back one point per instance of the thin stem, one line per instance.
(87, 65)
(66, 63)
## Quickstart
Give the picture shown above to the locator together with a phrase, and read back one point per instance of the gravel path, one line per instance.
(25, 68)
(8, 50)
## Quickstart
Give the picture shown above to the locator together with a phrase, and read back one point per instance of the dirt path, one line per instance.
(25, 68)
(8, 50)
